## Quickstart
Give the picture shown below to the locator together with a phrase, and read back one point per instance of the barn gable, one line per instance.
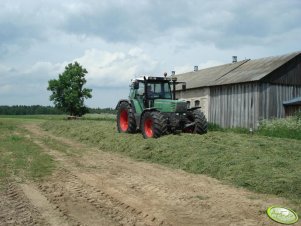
(288, 73)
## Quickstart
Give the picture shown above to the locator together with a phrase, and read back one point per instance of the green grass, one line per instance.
(263, 164)
(100, 117)
(97, 117)
(19, 156)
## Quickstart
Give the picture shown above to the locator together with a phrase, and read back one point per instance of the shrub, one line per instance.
(285, 127)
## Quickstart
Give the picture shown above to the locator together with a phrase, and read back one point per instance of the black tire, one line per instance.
(126, 122)
(153, 124)
(201, 125)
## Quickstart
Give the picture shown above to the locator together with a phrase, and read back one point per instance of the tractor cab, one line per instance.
(151, 92)
(149, 89)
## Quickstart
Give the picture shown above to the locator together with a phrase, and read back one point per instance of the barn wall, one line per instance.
(193, 95)
(234, 105)
(272, 97)
(244, 105)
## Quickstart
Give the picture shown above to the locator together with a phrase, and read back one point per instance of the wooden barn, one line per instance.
(242, 93)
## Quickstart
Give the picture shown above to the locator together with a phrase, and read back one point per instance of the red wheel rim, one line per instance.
(148, 127)
(124, 124)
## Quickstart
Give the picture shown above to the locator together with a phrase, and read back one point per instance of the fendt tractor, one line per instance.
(153, 109)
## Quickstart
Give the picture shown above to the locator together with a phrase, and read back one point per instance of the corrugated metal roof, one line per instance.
(239, 72)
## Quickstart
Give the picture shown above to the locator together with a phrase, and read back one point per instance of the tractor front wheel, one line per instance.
(126, 119)
(198, 117)
(153, 124)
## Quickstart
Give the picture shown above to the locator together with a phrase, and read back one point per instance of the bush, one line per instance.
(285, 127)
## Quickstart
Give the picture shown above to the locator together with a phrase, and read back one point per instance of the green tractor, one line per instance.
(153, 109)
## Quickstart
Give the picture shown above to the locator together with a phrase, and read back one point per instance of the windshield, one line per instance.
(157, 90)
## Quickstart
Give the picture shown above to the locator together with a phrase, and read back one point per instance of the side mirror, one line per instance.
(184, 87)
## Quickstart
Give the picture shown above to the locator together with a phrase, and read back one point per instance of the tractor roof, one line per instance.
(152, 78)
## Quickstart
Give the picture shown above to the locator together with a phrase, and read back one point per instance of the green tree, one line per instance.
(68, 93)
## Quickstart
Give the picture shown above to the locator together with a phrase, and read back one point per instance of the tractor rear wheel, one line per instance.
(153, 124)
(198, 117)
(126, 122)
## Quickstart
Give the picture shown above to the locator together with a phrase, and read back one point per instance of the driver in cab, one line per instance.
(149, 92)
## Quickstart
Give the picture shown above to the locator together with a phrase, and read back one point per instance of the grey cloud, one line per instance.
(23, 23)
(225, 24)
(16, 37)
(254, 22)
(26, 85)
(129, 22)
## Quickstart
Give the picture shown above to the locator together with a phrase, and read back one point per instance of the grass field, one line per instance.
(19, 157)
(29, 117)
(259, 163)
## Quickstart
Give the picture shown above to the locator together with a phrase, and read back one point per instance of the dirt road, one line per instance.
(102, 188)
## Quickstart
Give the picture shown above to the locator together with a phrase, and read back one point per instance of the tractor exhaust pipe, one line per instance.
(174, 80)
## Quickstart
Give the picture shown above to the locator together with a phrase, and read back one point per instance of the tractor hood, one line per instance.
(164, 105)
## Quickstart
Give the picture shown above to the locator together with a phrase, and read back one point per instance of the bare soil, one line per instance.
(100, 188)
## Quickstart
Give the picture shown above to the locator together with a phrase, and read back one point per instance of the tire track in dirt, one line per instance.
(46, 209)
(176, 196)
(100, 208)
(72, 199)
(16, 209)
(125, 192)
(85, 203)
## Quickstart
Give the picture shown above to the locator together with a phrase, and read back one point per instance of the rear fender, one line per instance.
(121, 101)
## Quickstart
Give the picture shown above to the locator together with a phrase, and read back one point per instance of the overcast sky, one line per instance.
(116, 40)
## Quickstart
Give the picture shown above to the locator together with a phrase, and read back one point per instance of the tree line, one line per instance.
(45, 110)
(29, 110)
(102, 110)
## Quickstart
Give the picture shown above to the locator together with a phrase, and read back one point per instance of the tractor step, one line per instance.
(189, 125)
